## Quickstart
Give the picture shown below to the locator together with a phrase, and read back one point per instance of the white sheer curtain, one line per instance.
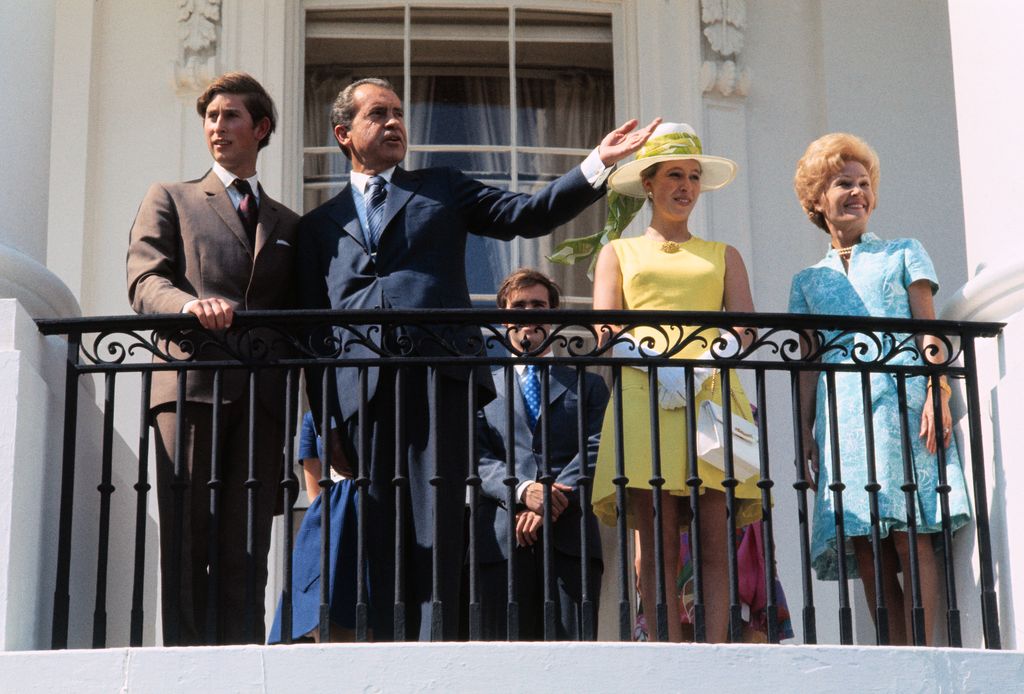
(567, 109)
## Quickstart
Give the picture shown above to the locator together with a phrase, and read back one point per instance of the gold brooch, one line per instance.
(670, 247)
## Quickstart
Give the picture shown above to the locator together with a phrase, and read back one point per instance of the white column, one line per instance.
(31, 377)
(987, 55)
(26, 71)
(987, 58)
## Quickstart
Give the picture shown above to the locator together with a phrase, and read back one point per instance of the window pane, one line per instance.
(532, 252)
(342, 46)
(564, 87)
(460, 109)
(460, 87)
(564, 108)
(488, 261)
(324, 174)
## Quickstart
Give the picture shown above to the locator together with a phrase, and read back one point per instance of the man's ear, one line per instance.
(341, 134)
(262, 128)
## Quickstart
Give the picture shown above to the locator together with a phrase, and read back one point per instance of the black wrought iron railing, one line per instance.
(436, 343)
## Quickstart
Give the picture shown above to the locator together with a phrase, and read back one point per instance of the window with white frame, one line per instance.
(513, 97)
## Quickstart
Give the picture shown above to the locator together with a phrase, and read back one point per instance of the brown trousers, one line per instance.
(194, 612)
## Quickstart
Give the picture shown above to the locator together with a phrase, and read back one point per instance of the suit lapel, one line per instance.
(518, 402)
(343, 212)
(218, 198)
(403, 185)
(267, 224)
(558, 383)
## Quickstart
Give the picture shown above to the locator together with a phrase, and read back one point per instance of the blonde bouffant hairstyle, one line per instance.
(823, 160)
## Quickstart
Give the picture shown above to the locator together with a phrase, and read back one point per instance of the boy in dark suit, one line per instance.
(529, 289)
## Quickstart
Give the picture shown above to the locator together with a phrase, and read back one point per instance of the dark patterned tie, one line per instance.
(376, 196)
(531, 394)
(248, 210)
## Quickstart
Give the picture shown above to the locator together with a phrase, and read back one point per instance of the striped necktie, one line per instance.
(376, 196)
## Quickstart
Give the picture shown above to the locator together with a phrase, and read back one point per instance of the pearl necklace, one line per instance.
(844, 253)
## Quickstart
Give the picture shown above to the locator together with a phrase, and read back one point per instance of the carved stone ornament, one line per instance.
(725, 78)
(196, 66)
(724, 22)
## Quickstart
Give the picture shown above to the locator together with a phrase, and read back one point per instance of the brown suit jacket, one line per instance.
(187, 242)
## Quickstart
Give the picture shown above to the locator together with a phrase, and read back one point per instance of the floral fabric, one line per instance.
(880, 272)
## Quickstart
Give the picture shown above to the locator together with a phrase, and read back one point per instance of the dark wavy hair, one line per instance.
(254, 96)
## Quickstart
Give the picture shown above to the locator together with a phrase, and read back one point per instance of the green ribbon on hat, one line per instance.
(622, 208)
(670, 143)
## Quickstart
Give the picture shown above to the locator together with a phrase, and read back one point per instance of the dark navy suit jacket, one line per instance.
(421, 257)
(567, 465)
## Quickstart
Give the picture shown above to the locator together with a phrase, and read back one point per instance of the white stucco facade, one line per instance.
(98, 89)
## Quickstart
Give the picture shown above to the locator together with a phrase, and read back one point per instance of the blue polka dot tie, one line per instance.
(531, 394)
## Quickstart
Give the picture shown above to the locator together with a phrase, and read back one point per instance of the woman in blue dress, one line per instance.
(306, 552)
(864, 275)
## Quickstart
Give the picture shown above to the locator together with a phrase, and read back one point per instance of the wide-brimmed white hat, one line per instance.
(672, 142)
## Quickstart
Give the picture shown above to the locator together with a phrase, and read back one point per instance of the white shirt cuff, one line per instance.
(521, 490)
(594, 170)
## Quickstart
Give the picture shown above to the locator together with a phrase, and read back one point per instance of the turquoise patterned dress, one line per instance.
(879, 274)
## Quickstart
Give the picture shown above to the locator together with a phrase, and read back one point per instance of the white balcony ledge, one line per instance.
(512, 667)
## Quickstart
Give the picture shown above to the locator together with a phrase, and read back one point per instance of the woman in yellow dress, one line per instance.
(670, 268)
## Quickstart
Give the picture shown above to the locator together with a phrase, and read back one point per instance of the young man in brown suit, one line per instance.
(210, 247)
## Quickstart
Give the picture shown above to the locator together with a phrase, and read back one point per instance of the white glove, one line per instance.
(672, 383)
(671, 379)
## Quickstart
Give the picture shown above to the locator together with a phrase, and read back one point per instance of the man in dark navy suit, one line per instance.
(529, 289)
(396, 239)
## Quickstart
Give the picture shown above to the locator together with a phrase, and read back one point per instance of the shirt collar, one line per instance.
(359, 179)
(228, 179)
(867, 240)
(521, 368)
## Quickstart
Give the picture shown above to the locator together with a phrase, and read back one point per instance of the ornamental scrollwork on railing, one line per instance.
(871, 348)
(575, 336)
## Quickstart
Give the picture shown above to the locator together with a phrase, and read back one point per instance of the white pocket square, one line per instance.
(282, 242)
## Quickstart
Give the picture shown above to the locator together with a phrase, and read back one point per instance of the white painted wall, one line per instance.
(888, 78)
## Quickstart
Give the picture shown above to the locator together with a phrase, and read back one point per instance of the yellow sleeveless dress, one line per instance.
(692, 279)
